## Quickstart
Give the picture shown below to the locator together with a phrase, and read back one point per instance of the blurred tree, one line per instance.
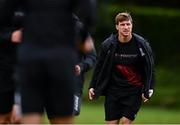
(164, 3)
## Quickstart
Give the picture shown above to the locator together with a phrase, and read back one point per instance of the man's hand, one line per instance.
(86, 46)
(77, 70)
(150, 94)
(91, 93)
(144, 98)
(16, 36)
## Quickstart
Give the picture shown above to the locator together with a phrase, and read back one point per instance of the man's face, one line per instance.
(124, 28)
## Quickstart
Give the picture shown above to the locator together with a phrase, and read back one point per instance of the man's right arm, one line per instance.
(98, 66)
(11, 35)
(7, 9)
(97, 69)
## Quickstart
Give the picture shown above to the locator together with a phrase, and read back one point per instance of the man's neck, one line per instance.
(124, 39)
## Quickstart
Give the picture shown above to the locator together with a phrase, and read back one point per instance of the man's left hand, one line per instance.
(144, 98)
(150, 94)
(77, 70)
(16, 36)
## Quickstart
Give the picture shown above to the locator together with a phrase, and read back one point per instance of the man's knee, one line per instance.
(126, 121)
(5, 118)
(32, 118)
(62, 120)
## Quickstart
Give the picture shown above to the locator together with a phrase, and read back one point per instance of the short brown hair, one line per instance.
(124, 16)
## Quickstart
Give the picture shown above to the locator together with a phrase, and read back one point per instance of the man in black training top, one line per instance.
(86, 60)
(10, 34)
(46, 56)
(124, 73)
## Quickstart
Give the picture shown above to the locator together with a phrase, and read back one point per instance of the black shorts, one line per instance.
(7, 88)
(6, 101)
(47, 81)
(125, 106)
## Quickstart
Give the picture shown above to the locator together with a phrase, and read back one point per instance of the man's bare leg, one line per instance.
(126, 121)
(16, 115)
(33, 118)
(62, 120)
(5, 118)
(113, 122)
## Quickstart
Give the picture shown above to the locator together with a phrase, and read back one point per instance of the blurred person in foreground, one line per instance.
(124, 73)
(86, 60)
(46, 56)
(10, 36)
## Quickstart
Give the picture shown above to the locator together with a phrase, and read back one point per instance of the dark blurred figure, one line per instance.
(46, 56)
(10, 36)
(86, 60)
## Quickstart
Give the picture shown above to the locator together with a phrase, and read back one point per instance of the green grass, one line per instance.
(94, 114)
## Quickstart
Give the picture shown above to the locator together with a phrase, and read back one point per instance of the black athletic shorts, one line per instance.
(119, 106)
(47, 80)
(6, 101)
(6, 89)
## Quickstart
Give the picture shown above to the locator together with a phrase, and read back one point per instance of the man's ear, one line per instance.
(117, 28)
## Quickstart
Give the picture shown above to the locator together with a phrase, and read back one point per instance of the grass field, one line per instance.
(94, 114)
